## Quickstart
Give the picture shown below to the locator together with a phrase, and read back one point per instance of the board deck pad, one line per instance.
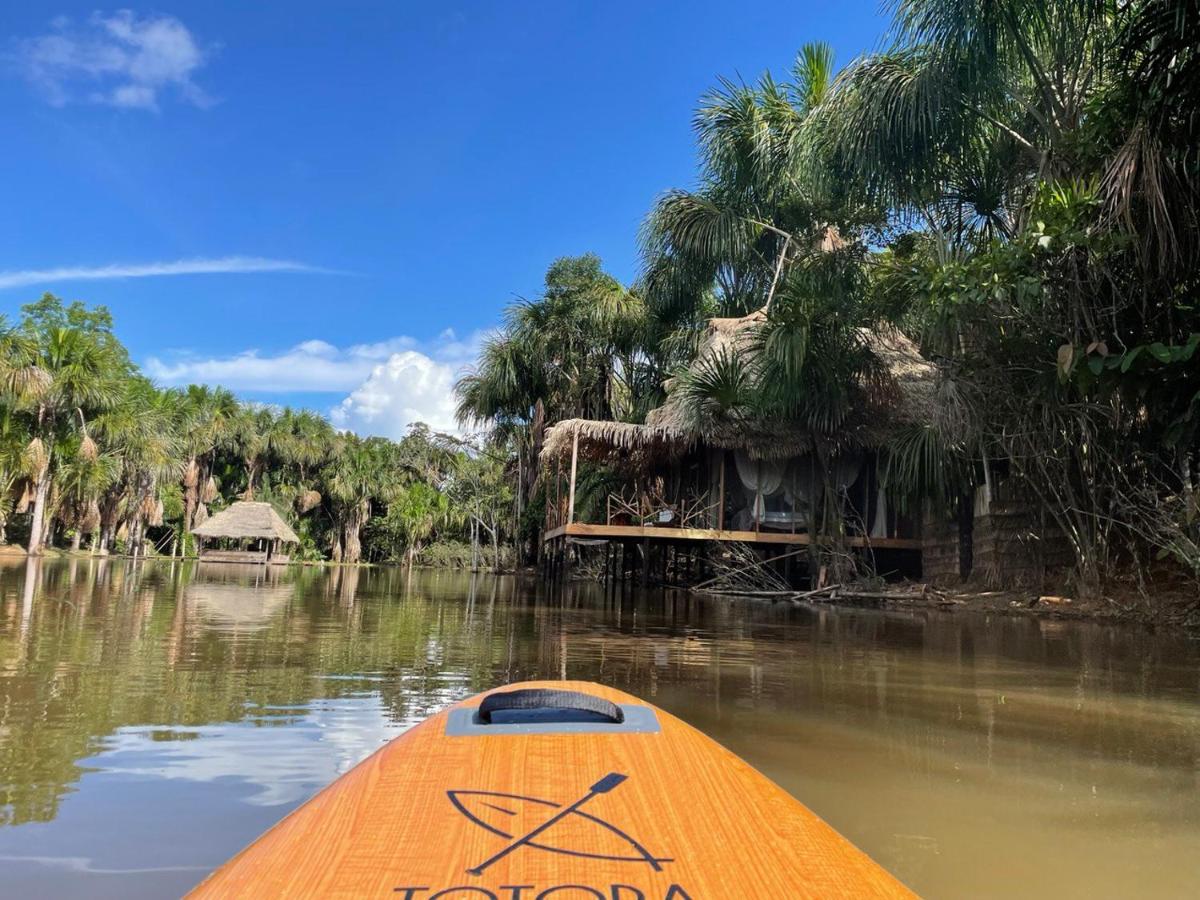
(595, 812)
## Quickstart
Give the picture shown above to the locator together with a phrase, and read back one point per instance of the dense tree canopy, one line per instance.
(91, 449)
(1013, 183)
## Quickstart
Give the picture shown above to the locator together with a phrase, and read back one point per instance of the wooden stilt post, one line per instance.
(793, 468)
(721, 498)
(574, 465)
(557, 491)
(758, 494)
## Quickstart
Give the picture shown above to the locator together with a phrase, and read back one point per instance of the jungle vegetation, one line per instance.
(1013, 183)
(93, 455)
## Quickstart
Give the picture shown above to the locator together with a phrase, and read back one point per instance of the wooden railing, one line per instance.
(556, 513)
(689, 511)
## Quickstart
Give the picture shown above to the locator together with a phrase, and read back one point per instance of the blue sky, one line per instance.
(325, 204)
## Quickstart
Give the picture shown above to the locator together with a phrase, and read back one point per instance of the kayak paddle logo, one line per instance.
(536, 823)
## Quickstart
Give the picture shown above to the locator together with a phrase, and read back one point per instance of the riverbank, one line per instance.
(15, 551)
(1168, 607)
(1162, 607)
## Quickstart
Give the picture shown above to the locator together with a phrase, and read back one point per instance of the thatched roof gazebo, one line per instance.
(245, 532)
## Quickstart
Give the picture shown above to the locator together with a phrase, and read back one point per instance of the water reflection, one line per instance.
(153, 718)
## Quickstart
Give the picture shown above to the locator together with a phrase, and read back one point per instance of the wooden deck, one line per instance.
(635, 532)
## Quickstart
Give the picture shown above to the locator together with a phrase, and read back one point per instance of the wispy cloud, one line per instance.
(225, 265)
(118, 59)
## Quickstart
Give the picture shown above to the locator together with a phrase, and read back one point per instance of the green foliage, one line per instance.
(587, 347)
(461, 555)
(1013, 183)
(921, 465)
(90, 444)
(578, 350)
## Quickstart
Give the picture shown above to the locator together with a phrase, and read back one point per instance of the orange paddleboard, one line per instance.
(552, 791)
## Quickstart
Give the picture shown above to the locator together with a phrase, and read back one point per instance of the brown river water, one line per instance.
(154, 718)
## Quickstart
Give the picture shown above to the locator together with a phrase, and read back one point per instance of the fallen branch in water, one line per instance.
(748, 593)
(879, 595)
(794, 596)
(829, 589)
(743, 572)
(828, 593)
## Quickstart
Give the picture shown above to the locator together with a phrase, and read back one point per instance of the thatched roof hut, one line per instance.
(247, 520)
(669, 431)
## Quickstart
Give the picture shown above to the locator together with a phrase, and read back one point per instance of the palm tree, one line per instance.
(1152, 179)
(764, 202)
(312, 439)
(207, 416)
(260, 433)
(141, 431)
(582, 349)
(356, 475)
(77, 375)
(975, 101)
(419, 509)
(301, 441)
(13, 437)
(83, 478)
(479, 491)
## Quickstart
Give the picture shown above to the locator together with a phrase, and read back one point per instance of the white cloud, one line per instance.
(409, 387)
(306, 367)
(226, 265)
(118, 59)
(388, 384)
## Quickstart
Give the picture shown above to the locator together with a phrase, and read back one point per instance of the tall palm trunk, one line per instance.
(253, 466)
(139, 537)
(495, 530)
(352, 551)
(352, 545)
(37, 525)
(193, 476)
